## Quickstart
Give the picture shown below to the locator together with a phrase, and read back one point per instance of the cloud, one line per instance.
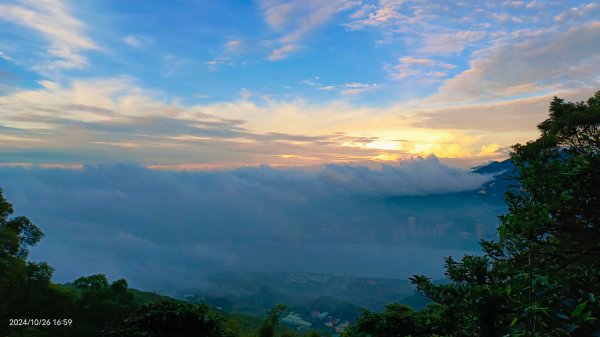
(233, 44)
(167, 229)
(94, 115)
(296, 19)
(283, 52)
(213, 65)
(54, 21)
(540, 63)
(382, 13)
(350, 88)
(4, 56)
(355, 88)
(277, 14)
(137, 41)
(509, 120)
(415, 177)
(447, 43)
(417, 61)
(578, 13)
(411, 67)
(446, 28)
(80, 122)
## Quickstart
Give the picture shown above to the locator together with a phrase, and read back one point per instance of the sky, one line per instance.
(158, 140)
(208, 84)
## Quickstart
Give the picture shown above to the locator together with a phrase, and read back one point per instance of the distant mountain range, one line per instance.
(503, 172)
(253, 293)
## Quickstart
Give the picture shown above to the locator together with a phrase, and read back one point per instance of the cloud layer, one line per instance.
(166, 229)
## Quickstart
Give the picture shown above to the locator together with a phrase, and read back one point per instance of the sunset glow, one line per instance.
(285, 83)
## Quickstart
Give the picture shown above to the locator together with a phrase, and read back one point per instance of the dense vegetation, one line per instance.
(540, 278)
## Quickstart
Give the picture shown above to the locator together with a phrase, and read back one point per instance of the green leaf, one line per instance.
(578, 310)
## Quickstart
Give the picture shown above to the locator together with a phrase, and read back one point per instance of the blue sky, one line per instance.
(211, 84)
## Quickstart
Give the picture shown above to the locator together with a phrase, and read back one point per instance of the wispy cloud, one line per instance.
(350, 88)
(233, 44)
(578, 13)
(447, 43)
(410, 67)
(434, 28)
(4, 56)
(354, 88)
(138, 41)
(214, 65)
(296, 19)
(283, 52)
(54, 20)
(382, 13)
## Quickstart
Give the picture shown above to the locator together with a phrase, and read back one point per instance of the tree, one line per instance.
(100, 305)
(474, 304)
(172, 319)
(271, 321)
(25, 287)
(542, 277)
(395, 320)
(16, 234)
(552, 230)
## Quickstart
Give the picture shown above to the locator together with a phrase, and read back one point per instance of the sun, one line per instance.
(384, 145)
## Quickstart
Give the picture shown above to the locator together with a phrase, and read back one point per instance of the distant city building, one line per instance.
(480, 231)
(398, 233)
(342, 326)
(438, 230)
(295, 321)
(412, 225)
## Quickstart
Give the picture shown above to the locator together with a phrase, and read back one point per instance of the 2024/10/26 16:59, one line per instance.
(39, 321)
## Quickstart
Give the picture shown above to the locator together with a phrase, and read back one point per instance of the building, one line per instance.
(412, 226)
(480, 231)
(295, 321)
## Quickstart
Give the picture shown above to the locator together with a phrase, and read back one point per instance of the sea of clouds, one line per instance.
(168, 229)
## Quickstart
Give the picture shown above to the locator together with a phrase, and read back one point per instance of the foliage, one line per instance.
(551, 234)
(25, 287)
(172, 319)
(100, 305)
(272, 319)
(398, 320)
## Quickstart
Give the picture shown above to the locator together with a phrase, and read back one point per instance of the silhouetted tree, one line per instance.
(172, 319)
(272, 319)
